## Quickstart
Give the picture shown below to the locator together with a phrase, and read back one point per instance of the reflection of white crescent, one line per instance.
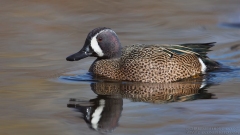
(97, 114)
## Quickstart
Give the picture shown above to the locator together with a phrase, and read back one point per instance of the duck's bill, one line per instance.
(77, 56)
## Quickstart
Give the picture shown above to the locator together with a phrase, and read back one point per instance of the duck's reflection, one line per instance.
(102, 113)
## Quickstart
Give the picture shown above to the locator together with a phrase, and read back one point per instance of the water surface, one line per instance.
(36, 36)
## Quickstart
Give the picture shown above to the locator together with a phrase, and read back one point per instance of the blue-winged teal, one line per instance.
(145, 63)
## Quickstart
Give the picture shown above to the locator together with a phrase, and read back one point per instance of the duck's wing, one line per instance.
(151, 51)
(199, 49)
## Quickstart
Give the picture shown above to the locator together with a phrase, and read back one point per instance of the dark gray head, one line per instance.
(101, 42)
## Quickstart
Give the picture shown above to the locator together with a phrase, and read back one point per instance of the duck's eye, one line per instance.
(99, 39)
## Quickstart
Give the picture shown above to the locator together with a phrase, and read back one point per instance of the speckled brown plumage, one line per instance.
(148, 63)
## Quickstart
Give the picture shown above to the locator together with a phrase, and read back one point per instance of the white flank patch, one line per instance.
(97, 114)
(203, 66)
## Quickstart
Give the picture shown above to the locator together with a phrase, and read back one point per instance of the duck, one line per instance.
(152, 63)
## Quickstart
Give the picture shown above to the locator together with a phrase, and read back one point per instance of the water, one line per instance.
(36, 36)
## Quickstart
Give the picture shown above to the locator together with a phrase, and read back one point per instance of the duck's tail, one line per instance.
(199, 49)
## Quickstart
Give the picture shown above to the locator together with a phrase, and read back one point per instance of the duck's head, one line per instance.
(101, 42)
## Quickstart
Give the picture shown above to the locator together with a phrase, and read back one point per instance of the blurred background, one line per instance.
(37, 35)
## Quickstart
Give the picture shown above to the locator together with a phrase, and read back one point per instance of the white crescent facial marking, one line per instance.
(97, 114)
(94, 44)
(203, 66)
